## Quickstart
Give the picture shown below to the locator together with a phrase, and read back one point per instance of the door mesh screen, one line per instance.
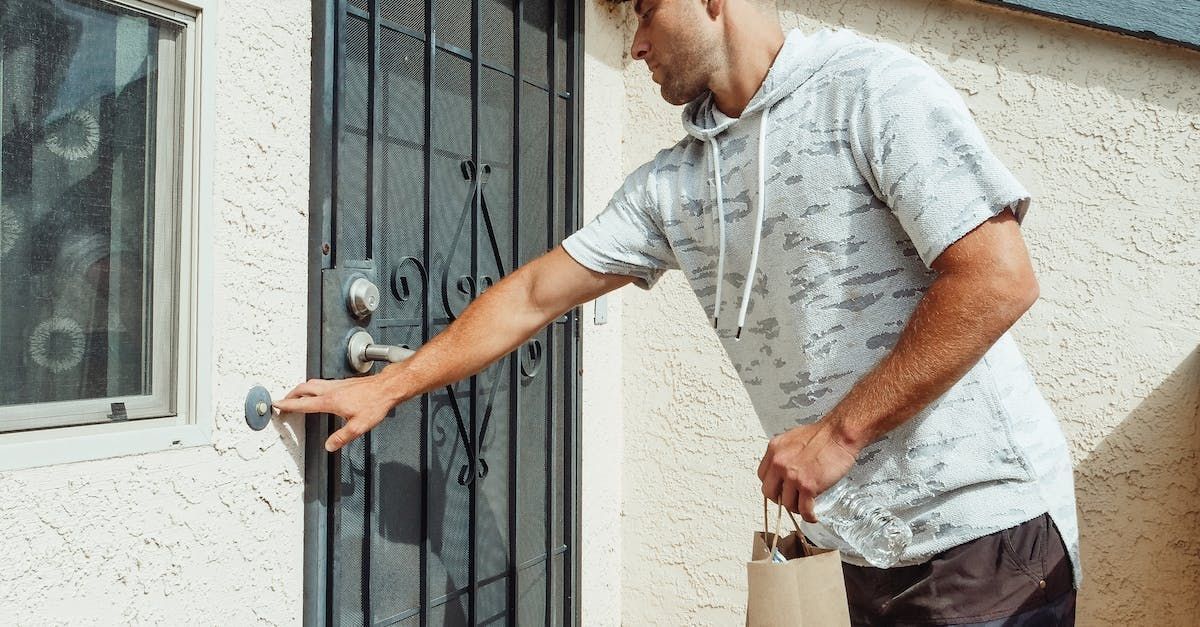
(351, 220)
(451, 171)
(406, 13)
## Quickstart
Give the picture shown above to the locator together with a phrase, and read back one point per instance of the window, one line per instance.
(1170, 21)
(99, 219)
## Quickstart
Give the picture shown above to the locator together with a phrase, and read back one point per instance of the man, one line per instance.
(857, 247)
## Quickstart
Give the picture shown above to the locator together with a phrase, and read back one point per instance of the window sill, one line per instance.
(31, 449)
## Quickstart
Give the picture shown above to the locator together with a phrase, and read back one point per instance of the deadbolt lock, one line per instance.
(362, 297)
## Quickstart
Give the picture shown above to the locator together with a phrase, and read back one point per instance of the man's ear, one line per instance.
(714, 8)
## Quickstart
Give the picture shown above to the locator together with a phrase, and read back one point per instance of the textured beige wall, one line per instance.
(1103, 129)
(601, 424)
(209, 534)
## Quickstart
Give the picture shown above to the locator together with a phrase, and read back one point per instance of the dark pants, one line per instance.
(1019, 577)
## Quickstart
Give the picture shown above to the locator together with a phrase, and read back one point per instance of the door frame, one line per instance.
(319, 473)
(316, 431)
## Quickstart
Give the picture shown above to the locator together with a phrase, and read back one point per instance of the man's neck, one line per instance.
(751, 49)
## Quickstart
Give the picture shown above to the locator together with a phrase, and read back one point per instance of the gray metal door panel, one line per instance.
(440, 164)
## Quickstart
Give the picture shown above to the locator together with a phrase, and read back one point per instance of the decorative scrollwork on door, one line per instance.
(401, 282)
(530, 355)
(466, 284)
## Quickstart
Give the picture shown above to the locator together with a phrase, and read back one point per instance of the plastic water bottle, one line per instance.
(877, 534)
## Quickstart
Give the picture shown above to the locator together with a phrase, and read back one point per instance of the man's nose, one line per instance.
(641, 47)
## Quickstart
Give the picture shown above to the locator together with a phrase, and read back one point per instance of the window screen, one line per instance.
(89, 124)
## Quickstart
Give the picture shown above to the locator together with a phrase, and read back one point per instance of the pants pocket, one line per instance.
(1025, 547)
(1036, 550)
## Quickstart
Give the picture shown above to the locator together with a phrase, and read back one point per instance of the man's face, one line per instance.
(679, 44)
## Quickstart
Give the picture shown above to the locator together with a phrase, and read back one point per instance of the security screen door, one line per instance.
(444, 156)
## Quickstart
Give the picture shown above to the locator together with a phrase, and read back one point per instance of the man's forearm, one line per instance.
(498, 321)
(492, 326)
(953, 326)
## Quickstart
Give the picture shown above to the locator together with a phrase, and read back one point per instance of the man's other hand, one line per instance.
(802, 463)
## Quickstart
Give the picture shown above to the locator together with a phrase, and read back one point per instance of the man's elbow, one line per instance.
(1015, 293)
(1032, 291)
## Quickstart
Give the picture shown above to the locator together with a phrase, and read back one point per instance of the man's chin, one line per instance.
(679, 98)
(672, 98)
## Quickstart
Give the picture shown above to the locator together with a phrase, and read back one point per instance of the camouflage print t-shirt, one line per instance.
(869, 166)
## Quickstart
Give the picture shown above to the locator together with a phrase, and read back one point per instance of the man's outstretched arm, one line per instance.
(504, 316)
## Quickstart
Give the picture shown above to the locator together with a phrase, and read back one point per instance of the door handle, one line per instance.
(362, 352)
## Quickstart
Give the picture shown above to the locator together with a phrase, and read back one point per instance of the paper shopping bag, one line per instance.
(806, 590)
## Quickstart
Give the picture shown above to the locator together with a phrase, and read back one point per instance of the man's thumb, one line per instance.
(335, 442)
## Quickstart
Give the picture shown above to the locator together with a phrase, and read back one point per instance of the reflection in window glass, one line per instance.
(80, 135)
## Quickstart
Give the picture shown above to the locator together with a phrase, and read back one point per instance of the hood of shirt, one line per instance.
(799, 58)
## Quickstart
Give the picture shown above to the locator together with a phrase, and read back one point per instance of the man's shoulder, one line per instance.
(865, 62)
(685, 153)
(643, 182)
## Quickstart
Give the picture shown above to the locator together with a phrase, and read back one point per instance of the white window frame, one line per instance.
(189, 405)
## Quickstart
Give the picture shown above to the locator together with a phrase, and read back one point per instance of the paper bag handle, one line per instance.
(766, 526)
(805, 545)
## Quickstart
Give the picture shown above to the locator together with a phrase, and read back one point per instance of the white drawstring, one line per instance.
(716, 163)
(762, 169)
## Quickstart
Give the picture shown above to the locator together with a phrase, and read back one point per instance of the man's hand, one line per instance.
(802, 463)
(363, 402)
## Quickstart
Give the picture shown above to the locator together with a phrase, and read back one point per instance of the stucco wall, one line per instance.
(1103, 130)
(207, 534)
(601, 423)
